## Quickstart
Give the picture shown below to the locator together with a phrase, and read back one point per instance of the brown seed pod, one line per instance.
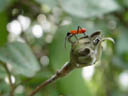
(87, 50)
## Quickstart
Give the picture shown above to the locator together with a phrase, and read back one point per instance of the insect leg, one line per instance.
(84, 32)
(78, 28)
(75, 37)
(69, 39)
(77, 32)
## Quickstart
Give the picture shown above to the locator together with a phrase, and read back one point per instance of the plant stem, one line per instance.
(60, 73)
(9, 78)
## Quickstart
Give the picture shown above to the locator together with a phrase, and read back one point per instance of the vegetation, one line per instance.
(32, 34)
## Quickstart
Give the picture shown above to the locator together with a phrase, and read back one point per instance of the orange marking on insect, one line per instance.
(80, 31)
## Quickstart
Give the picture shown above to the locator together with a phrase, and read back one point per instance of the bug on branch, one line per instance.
(72, 33)
(85, 51)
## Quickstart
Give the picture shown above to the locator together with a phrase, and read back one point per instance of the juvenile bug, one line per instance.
(74, 33)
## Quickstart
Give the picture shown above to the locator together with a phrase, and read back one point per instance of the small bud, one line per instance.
(87, 50)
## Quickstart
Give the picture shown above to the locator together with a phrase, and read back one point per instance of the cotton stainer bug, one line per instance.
(74, 33)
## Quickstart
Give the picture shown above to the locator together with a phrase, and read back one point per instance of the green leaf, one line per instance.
(2, 72)
(123, 3)
(4, 4)
(74, 85)
(20, 56)
(88, 8)
(49, 91)
(50, 3)
(59, 55)
(3, 31)
(4, 88)
(122, 46)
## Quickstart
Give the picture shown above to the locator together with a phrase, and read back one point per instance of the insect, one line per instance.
(74, 33)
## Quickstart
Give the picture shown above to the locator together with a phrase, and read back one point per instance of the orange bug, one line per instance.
(74, 33)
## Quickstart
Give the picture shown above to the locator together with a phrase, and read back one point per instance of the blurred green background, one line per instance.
(32, 36)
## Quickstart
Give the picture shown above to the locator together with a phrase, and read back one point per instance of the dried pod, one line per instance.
(87, 50)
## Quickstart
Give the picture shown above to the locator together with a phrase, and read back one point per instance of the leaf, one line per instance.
(4, 4)
(50, 3)
(59, 55)
(122, 46)
(50, 91)
(123, 3)
(73, 84)
(88, 8)
(4, 88)
(20, 57)
(2, 72)
(3, 31)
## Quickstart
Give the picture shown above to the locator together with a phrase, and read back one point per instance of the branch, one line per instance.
(60, 73)
(9, 78)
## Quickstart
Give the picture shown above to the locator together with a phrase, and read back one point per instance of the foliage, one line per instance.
(42, 26)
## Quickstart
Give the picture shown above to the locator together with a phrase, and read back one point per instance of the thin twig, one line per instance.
(62, 72)
(9, 78)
